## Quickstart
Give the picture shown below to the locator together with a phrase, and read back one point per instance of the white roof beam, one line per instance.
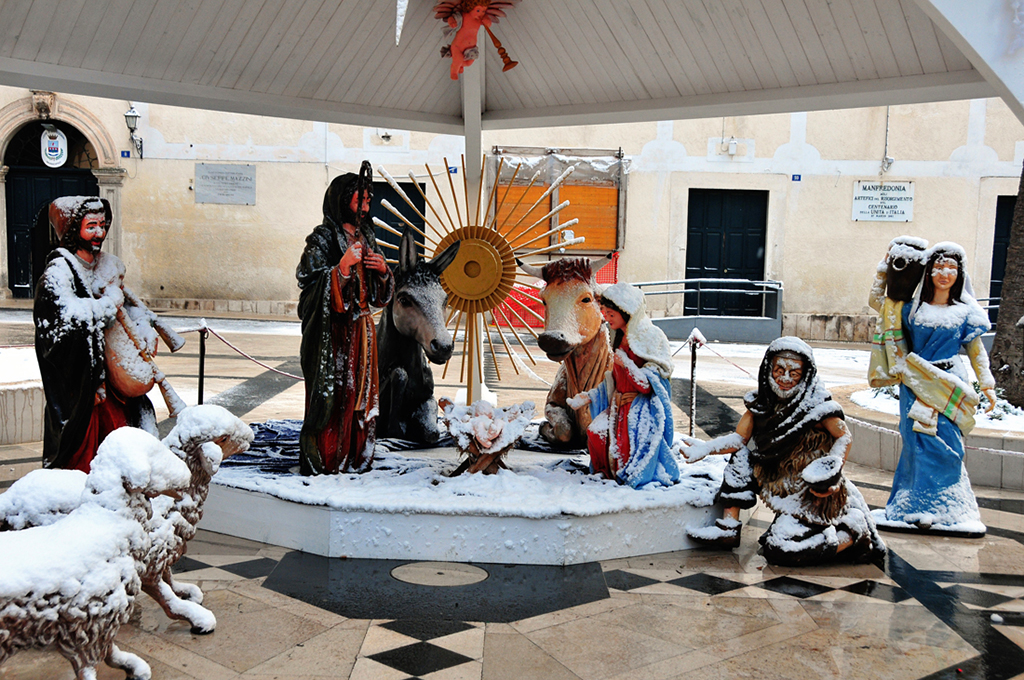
(40, 76)
(985, 32)
(880, 92)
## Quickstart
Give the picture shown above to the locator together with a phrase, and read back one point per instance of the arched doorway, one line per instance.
(30, 185)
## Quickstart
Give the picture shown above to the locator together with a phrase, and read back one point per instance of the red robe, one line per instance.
(338, 354)
(608, 460)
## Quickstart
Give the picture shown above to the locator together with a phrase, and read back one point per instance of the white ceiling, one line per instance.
(581, 61)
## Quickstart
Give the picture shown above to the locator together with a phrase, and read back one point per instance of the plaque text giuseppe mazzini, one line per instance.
(225, 183)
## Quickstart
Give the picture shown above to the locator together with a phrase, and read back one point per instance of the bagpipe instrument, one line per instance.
(129, 348)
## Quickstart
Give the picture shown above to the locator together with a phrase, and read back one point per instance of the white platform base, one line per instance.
(21, 412)
(449, 538)
(535, 515)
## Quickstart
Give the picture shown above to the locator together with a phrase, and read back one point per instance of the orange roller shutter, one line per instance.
(597, 208)
(510, 213)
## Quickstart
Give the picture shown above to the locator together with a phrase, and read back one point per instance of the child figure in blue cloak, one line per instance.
(630, 436)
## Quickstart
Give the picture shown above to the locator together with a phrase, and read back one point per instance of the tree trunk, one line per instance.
(1008, 348)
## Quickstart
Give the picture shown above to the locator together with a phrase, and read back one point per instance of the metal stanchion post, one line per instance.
(202, 361)
(693, 382)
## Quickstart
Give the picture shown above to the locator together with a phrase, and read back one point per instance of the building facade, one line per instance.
(761, 197)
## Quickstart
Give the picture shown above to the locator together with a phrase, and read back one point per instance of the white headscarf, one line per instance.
(646, 340)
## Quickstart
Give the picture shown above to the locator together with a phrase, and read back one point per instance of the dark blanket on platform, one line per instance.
(275, 448)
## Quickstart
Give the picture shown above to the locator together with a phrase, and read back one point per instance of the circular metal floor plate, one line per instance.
(442, 574)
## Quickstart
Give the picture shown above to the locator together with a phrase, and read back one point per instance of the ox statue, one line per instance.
(410, 331)
(575, 336)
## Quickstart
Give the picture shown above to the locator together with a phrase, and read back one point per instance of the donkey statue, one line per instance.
(575, 336)
(410, 331)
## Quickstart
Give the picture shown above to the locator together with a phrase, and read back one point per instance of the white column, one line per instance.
(472, 82)
(111, 180)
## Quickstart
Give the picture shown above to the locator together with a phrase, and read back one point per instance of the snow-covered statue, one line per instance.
(630, 433)
(95, 377)
(485, 434)
(70, 582)
(342, 275)
(789, 448)
(202, 436)
(411, 332)
(575, 336)
(918, 347)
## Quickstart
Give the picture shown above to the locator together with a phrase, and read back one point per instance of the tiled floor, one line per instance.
(937, 608)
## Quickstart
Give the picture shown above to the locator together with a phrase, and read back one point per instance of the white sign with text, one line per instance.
(225, 183)
(875, 201)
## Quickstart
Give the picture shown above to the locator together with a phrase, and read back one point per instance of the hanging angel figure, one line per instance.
(474, 13)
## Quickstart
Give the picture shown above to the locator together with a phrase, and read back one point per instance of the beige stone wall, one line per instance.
(960, 155)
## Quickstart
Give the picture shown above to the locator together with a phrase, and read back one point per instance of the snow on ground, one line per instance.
(738, 363)
(18, 365)
(1006, 417)
(186, 324)
(537, 486)
(874, 400)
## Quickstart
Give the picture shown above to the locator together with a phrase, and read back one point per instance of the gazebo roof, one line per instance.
(581, 61)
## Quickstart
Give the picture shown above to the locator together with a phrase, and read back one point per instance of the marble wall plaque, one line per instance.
(876, 201)
(224, 183)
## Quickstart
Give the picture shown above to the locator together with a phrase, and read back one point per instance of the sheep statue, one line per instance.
(72, 583)
(202, 437)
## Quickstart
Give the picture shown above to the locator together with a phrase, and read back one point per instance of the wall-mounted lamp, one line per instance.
(131, 119)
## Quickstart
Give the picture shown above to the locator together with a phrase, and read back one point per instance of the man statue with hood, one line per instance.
(789, 448)
(77, 299)
(342, 275)
(631, 431)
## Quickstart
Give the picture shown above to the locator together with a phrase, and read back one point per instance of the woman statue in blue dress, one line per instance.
(930, 489)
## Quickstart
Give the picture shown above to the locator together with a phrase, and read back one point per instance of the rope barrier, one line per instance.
(710, 349)
(204, 327)
(879, 428)
(864, 423)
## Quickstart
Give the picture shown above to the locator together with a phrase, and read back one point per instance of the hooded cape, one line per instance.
(649, 415)
(780, 423)
(318, 350)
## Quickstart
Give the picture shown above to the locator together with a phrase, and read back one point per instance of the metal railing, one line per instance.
(991, 307)
(769, 293)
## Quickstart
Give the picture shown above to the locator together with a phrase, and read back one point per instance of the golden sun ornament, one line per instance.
(479, 280)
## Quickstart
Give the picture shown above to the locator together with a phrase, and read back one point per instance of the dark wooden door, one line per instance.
(725, 239)
(28, 231)
(1004, 218)
(383, 191)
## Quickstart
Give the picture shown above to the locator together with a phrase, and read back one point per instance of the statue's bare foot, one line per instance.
(724, 534)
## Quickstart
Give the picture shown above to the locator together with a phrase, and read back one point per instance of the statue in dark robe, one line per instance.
(342, 276)
(77, 299)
